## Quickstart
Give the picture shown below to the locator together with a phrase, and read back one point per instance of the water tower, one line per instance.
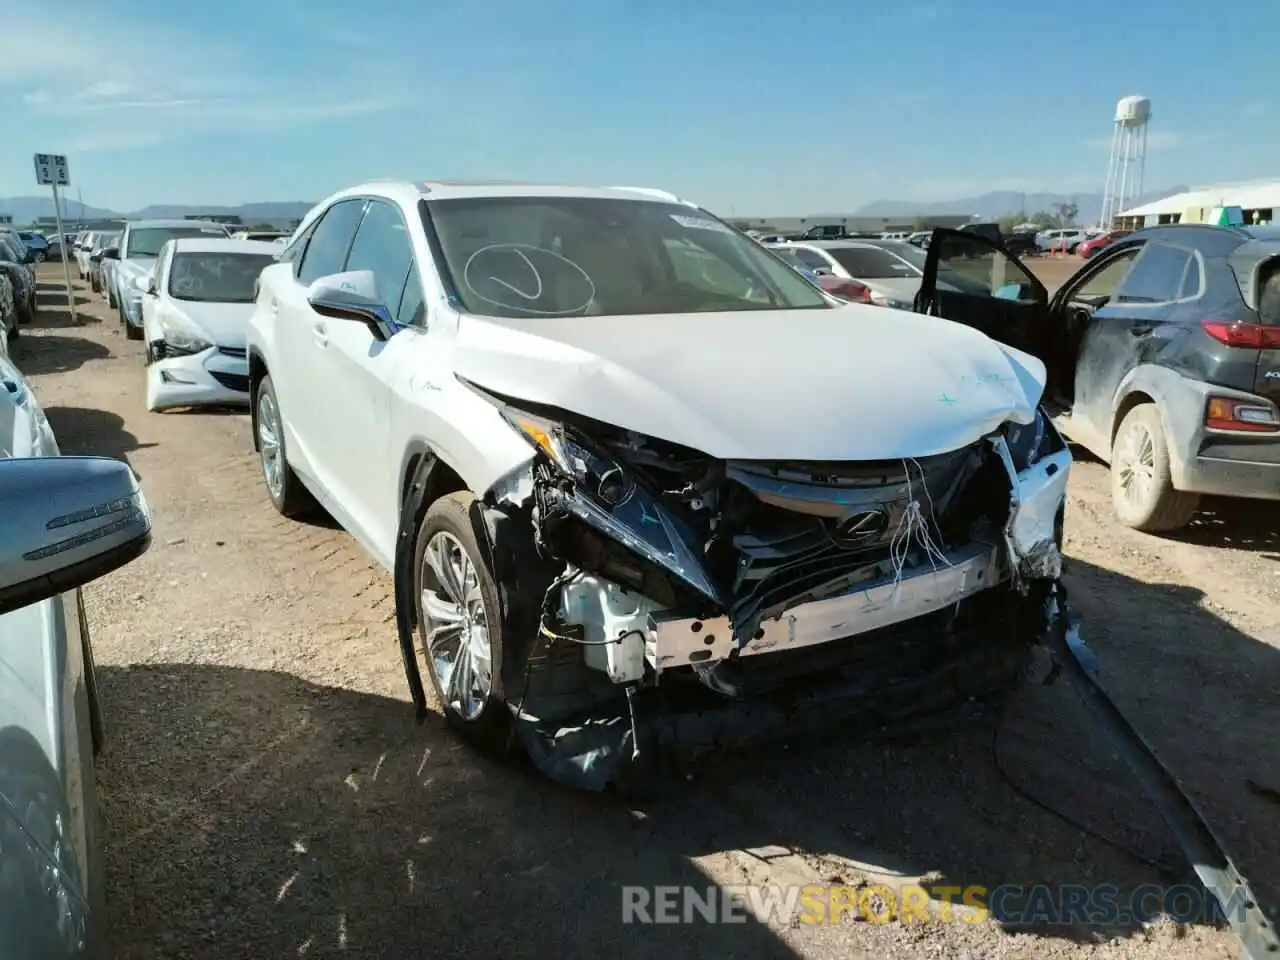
(1128, 161)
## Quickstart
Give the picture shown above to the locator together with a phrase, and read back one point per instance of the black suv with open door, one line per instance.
(1162, 352)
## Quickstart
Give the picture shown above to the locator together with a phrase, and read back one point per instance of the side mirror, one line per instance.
(111, 253)
(95, 257)
(145, 283)
(66, 521)
(349, 296)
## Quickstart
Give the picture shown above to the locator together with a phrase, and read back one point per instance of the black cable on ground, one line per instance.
(1169, 872)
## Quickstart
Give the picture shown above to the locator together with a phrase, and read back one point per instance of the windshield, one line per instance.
(872, 263)
(147, 241)
(580, 256)
(216, 277)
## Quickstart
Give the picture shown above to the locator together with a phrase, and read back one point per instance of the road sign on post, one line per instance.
(52, 172)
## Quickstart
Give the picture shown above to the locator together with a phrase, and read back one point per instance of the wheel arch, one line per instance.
(437, 475)
(1179, 405)
(257, 373)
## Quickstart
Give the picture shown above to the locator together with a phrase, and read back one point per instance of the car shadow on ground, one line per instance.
(259, 813)
(86, 432)
(1235, 523)
(36, 354)
(339, 826)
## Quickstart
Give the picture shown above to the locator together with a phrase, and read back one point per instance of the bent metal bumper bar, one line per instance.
(883, 603)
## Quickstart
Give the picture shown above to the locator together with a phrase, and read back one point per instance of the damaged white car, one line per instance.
(644, 488)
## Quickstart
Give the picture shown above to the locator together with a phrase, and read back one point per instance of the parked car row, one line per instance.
(17, 265)
(66, 521)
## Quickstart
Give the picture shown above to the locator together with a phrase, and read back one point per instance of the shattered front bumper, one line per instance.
(946, 664)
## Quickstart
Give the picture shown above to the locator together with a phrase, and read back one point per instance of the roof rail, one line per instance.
(655, 192)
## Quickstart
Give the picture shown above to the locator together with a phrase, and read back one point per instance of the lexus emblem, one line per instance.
(862, 525)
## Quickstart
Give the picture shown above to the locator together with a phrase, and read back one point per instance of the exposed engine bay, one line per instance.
(740, 593)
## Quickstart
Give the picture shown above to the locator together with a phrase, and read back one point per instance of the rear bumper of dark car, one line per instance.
(1226, 463)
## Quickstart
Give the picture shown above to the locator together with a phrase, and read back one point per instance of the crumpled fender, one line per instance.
(412, 510)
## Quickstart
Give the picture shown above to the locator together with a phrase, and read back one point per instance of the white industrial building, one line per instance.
(1258, 201)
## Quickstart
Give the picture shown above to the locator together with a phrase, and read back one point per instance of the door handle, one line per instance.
(1141, 329)
(320, 335)
(275, 305)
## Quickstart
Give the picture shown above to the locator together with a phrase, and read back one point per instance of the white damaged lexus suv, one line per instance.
(644, 490)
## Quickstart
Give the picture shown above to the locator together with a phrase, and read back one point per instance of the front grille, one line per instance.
(232, 381)
(790, 542)
(239, 352)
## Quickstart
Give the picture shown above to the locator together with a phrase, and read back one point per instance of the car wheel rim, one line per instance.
(1135, 465)
(456, 626)
(269, 444)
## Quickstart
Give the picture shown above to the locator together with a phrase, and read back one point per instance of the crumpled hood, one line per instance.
(854, 383)
(224, 323)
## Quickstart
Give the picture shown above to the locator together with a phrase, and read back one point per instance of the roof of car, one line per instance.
(409, 192)
(469, 189)
(174, 222)
(219, 245)
(837, 244)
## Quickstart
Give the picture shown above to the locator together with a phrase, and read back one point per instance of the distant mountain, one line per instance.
(30, 209)
(248, 212)
(1004, 203)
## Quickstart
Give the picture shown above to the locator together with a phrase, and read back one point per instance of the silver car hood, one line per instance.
(854, 383)
(135, 266)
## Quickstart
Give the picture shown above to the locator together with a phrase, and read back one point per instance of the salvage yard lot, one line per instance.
(266, 793)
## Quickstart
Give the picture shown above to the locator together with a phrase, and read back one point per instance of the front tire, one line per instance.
(1142, 491)
(461, 620)
(286, 491)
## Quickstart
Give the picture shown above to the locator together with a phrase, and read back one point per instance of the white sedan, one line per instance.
(195, 308)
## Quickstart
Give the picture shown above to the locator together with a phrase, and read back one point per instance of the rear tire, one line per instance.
(462, 641)
(286, 491)
(1142, 491)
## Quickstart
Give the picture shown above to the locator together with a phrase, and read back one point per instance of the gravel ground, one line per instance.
(267, 794)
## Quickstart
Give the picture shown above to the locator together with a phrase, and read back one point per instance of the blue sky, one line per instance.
(747, 106)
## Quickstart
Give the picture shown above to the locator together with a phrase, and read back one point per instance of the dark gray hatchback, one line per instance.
(1163, 354)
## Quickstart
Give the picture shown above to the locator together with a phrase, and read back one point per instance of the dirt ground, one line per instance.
(266, 792)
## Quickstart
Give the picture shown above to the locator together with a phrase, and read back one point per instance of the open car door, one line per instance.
(973, 280)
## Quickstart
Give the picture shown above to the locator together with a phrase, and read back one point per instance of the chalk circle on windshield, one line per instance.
(528, 279)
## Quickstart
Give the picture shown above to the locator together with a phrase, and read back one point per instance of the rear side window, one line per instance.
(327, 251)
(1156, 276)
(1191, 279)
(814, 261)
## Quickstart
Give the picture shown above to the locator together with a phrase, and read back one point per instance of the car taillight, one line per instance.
(1256, 336)
(852, 290)
(1224, 413)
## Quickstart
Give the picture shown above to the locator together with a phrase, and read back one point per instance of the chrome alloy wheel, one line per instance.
(1134, 461)
(269, 432)
(456, 626)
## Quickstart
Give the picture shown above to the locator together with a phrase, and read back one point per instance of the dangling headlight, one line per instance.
(608, 498)
(593, 474)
